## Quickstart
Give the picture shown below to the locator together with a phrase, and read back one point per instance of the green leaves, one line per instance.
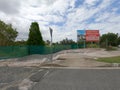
(110, 39)
(7, 34)
(35, 37)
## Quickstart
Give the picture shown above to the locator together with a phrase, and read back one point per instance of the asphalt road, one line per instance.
(80, 79)
(60, 79)
(10, 76)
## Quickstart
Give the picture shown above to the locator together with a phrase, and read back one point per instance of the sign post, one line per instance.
(81, 37)
(51, 31)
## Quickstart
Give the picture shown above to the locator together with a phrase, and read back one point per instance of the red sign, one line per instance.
(92, 35)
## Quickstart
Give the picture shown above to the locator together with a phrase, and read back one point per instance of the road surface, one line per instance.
(80, 79)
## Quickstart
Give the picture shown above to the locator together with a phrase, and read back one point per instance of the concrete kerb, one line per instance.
(116, 64)
(81, 67)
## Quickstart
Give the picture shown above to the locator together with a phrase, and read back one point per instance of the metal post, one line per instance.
(51, 30)
(106, 43)
(77, 43)
(99, 44)
(84, 43)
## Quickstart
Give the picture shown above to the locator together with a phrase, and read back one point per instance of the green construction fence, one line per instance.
(20, 51)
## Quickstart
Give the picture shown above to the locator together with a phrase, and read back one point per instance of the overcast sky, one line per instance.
(64, 16)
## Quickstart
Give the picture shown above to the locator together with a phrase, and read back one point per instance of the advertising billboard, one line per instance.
(92, 36)
(80, 35)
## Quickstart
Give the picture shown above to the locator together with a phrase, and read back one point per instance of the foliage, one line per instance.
(109, 39)
(118, 40)
(20, 43)
(35, 37)
(67, 41)
(47, 42)
(92, 45)
(7, 34)
(111, 48)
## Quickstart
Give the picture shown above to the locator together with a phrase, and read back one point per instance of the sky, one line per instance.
(65, 17)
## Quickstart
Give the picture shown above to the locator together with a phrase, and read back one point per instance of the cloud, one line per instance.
(90, 2)
(64, 16)
(9, 7)
(93, 18)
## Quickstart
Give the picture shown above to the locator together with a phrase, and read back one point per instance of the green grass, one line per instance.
(110, 59)
(110, 48)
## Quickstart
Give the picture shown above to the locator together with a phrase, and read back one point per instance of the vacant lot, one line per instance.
(68, 58)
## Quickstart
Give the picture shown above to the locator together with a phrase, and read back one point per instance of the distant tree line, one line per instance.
(110, 39)
(8, 35)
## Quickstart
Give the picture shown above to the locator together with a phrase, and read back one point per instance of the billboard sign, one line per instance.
(80, 35)
(92, 36)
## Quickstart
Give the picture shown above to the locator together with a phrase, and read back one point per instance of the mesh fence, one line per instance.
(20, 51)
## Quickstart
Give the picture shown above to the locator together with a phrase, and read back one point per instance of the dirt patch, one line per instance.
(61, 58)
(85, 57)
(21, 63)
(52, 65)
(68, 58)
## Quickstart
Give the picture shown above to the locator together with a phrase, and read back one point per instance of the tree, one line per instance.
(7, 34)
(20, 43)
(47, 42)
(35, 37)
(118, 40)
(67, 41)
(109, 39)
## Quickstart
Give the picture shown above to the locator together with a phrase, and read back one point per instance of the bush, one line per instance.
(111, 48)
(92, 46)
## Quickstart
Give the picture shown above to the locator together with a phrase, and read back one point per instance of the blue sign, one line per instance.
(80, 32)
(80, 35)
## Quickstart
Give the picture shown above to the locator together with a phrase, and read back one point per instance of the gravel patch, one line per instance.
(13, 88)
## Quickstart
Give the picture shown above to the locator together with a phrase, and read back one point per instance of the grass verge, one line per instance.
(110, 48)
(110, 59)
